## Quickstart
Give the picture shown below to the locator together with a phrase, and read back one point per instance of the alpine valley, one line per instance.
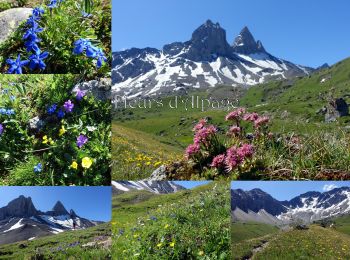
(314, 224)
(206, 60)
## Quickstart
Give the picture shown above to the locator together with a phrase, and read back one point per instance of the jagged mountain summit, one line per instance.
(259, 206)
(206, 60)
(158, 187)
(20, 220)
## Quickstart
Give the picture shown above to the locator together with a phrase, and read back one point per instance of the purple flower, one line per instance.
(80, 94)
(81, 140)
(68, 106)
(1, 129)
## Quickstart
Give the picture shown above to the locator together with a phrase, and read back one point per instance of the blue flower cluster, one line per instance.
(7, 111)
(36, 60)
(91, 51)
(51, 110)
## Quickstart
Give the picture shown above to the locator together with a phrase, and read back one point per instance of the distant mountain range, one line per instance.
(257, 205)
(158, 187)
(20, 220)
(206, 60)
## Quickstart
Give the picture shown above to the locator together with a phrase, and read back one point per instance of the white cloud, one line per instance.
(328, 187)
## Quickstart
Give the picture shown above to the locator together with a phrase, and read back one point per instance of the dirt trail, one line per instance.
(259, 248)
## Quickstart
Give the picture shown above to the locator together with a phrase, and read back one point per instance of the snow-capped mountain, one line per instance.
(308, 207)
(206, 60)
(20, 220)
(159, 187)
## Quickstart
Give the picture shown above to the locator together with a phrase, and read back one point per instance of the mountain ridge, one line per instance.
(20, 220)
(308, 207)
(206, 60)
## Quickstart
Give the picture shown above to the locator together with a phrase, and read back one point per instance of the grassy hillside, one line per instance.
(190, 224)
(315, 243)
(79, 244)
(247, 230)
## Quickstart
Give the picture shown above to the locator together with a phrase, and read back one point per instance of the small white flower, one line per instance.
(91, 128)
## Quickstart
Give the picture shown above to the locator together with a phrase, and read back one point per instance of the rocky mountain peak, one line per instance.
(246, 44)
(20, 207)
(59, 209)
(72, 214)
(208, 41)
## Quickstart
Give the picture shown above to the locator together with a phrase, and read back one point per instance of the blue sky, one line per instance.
(89, 202)
(304, 32)
(286, 190)
(191, 184)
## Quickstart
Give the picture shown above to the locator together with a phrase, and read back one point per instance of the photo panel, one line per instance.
(55, 222)
(55, 37)
(290, 219)
(171, 219)
(54, 130)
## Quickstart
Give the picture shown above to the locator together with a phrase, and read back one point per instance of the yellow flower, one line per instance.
(86, 162)
(74, 165)
(62, 131)
(148, 163)
(201, 253)
(166, 226)
(160, 245)
(172, 244)
(45, 139)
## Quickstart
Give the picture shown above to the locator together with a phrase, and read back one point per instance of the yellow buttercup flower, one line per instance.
(62, 131)
(172, 244)
(45, 139)
(166, 226)
(160, 245)
(86, 162)
(74, 165)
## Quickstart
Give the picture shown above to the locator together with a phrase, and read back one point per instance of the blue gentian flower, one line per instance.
(32, 21)
(51, 109)
(60, 114)
(100, 56)
(52, 4)
(38, 167)
(32, 45)
(37, 60)
(31, 33)
(7, 112)
(81, 45)
(16, 65)
(38, 11)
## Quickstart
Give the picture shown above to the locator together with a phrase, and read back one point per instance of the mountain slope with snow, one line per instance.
(158, 187)
(20, 220)
(307, 207)
(204, 61)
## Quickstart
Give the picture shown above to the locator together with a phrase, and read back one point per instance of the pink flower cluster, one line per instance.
(203, 132)
(236, 114)
(234, 157)
(192, 150)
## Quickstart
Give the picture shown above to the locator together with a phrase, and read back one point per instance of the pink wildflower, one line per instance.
(234, 130)
(218, 161)
(245, 151)
(261, 121)
(236, 114)
(200, 125)
(250, 117)
(232, 159)
(203, 134)
(191, 150)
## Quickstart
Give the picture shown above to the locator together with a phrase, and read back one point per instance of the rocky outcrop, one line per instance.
(100, 88)
(11, 19)
(336, 108)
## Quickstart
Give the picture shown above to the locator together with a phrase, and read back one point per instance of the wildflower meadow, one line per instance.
(61, 36)
(52, 135)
